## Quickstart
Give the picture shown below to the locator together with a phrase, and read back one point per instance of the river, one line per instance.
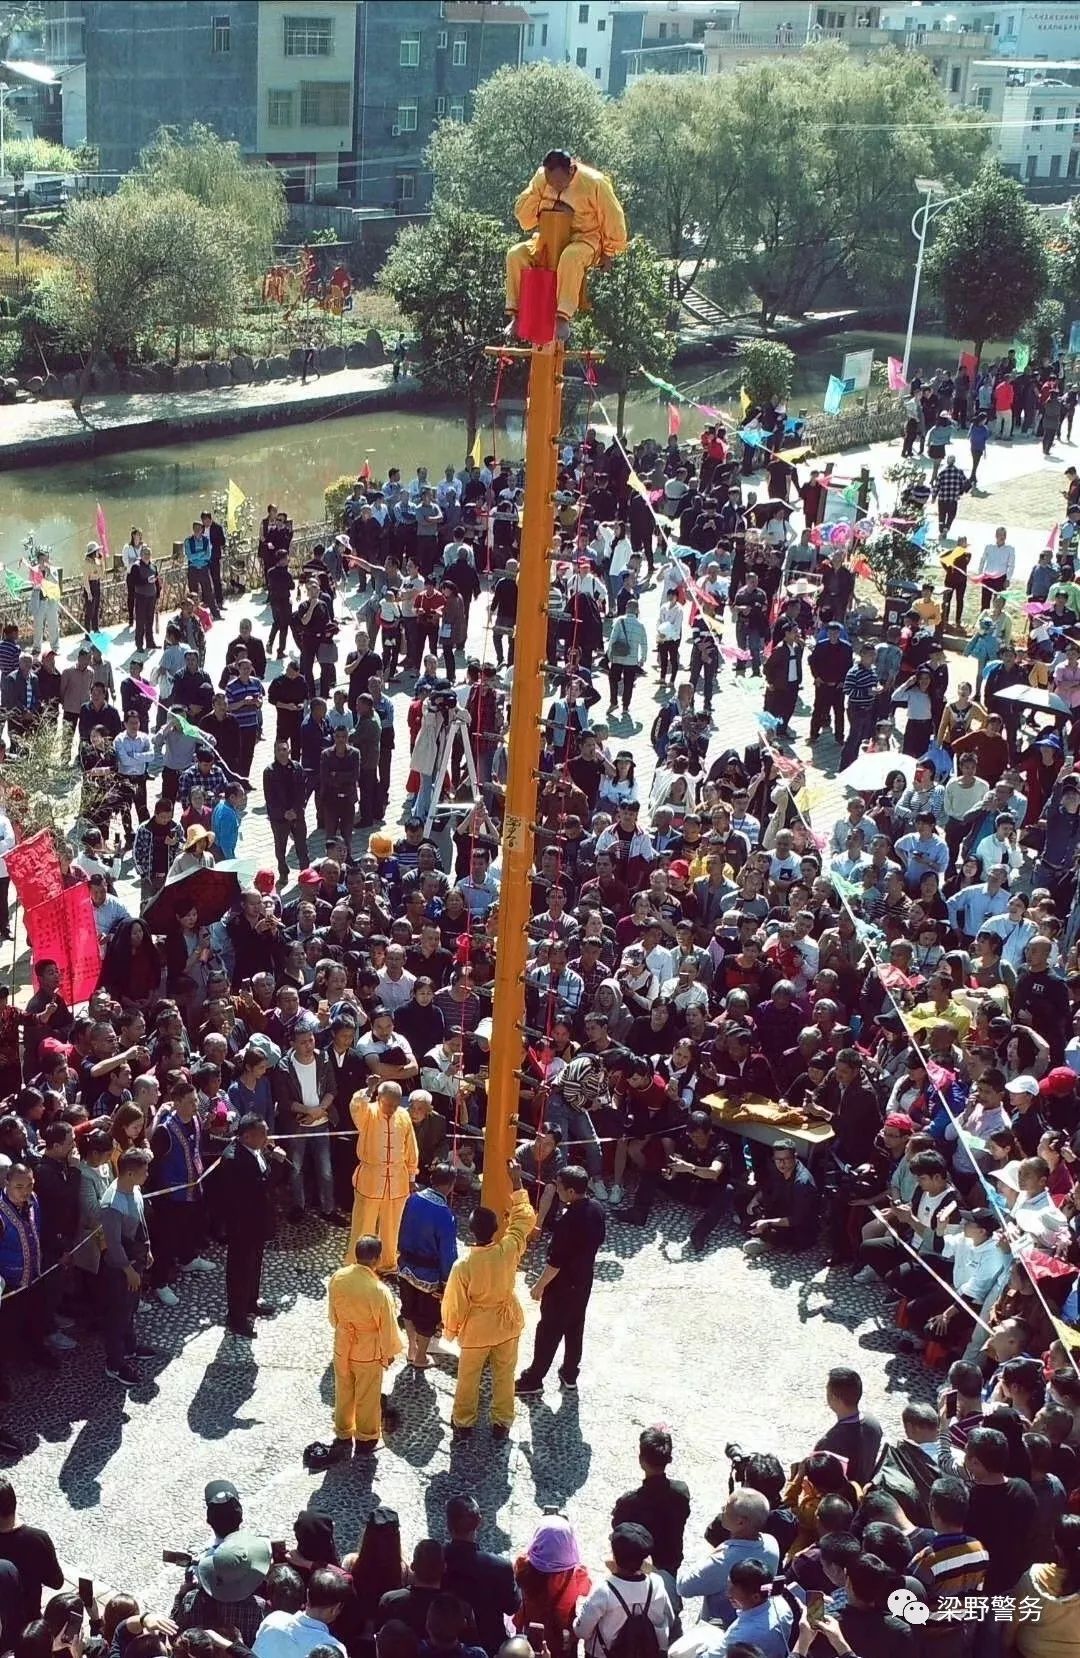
(162, 490)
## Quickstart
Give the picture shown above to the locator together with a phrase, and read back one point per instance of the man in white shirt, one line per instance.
(295, 1634)
(1035, 1212)
(997, 561)
(107, 911)
(395, 984)
(609, 1605)
(380, 1038)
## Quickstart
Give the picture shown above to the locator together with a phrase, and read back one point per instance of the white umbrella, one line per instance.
(869, 771)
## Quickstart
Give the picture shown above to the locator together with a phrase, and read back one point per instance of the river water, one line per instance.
(161, 490)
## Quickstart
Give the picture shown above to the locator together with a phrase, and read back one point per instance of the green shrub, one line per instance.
(334, 499)
(768, 367)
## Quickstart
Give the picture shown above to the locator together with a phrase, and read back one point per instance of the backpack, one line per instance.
(636, 1637)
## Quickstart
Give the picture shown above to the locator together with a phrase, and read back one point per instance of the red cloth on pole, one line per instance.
(35, 870)
(674, 420)
(64, 932)
(536, 305)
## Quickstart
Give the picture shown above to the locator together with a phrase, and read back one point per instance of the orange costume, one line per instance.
(387, 1163)
(598, 230)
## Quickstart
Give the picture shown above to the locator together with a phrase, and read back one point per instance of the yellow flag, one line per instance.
(476, 453)
(744, 400)
(949, 559)
(637, 486)
(1065, 1333)
(234, 500)
(50, 589)
(794, 455)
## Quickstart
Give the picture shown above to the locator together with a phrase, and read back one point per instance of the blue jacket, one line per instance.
(225, 822)
(180, 1163)
(20, 1244)
(427, 1240)
(197, 551)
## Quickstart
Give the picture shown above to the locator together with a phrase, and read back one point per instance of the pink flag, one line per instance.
(1051, 542)
(968, 361)
(674, 420)
(147, 690)
(102, 532)
(897, 382)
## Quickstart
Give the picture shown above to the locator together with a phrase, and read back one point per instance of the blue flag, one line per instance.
(834, 395)
(919, 537)
(101, 641)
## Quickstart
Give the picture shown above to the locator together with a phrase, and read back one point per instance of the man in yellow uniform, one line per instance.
(598, 228)
(366, 1342)
(481, 1312)
(387, 1163)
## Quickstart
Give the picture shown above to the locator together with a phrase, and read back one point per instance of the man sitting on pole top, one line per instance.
(598, 230)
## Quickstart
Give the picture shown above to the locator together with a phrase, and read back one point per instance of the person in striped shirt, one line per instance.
(244, 695)
(861, 689)
(952, 1565)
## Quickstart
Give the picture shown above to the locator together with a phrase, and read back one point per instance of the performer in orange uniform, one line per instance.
(562, 185)
(387, 1163)
(481, 1312)
(366, 1343)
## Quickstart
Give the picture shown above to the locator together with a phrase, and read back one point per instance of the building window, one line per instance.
(440, 107)
(982, 97)
(457, 110)
(1031, 166)
(954, 80)
(406, 186)
(324, 103)
(543, 34)
(530, 35)
(442, 39)
(220, 33)
(661, 32)
(1036, 115)
(583, 14)
(279, 109)
(409, 51)
(1074, 156)
(583, 57)
(601, 25)
(1055, 166)
(1061, 114)
(459, 57)
(597, 74)
(309, 37)
(406, 116)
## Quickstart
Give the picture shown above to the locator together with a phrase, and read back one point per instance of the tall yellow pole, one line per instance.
(523, 744)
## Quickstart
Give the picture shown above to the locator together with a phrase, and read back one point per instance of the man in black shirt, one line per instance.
(1044, 997)
(854, 1436)
(485, 1582)
(425, 1582)
(30, 1551)
(1003, 1512)
(659, 1504)
(564, 1286)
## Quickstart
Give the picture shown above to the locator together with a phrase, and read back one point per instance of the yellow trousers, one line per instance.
(357, 1395)
(378, 1217)
(575, 259)
(471, 1364)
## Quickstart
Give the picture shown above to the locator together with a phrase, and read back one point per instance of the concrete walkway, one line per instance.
(36, 433)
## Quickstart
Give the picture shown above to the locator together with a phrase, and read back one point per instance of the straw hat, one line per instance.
(197, 836)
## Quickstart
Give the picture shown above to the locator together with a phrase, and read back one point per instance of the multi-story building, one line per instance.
(1048, 29)
(573, 31)
(419, 62)
(665, 37)
(1034, 109)
(766, 31)
(341, 95)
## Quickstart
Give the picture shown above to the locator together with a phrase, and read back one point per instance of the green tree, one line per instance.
(247, 200)
(831, 193)
(37, 155)
(628, 319)
(681, 167)
(133, 262)
(1064, 256)
(988, 260)
(768, 368)
(446, 277)
(19, 17)
(518, 115)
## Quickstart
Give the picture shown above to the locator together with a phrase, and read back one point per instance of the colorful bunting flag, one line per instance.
(476, 453)
(14, 584)
(234, 500)
(186, 726)
(662, 385)
(100, 641)
(102, 531)
(794, 455)
(834, 395)
(744, 400)
(143, 685)
(50, 589)
(637, 486)
(947, 560)
(897, 381)
(674, 420)
(1022, 354)
(365, 473)
(919, 537)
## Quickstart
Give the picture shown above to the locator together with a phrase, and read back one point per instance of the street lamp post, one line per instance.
(920, 222)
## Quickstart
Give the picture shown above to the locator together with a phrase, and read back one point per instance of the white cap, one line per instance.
(1022, 1085)
(484, 1030)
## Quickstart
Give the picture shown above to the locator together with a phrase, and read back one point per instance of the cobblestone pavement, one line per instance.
(717, 1347)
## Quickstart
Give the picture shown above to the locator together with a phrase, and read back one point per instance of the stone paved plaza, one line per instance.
(719, 1348)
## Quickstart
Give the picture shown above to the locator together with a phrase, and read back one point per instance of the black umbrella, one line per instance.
(211, 891)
